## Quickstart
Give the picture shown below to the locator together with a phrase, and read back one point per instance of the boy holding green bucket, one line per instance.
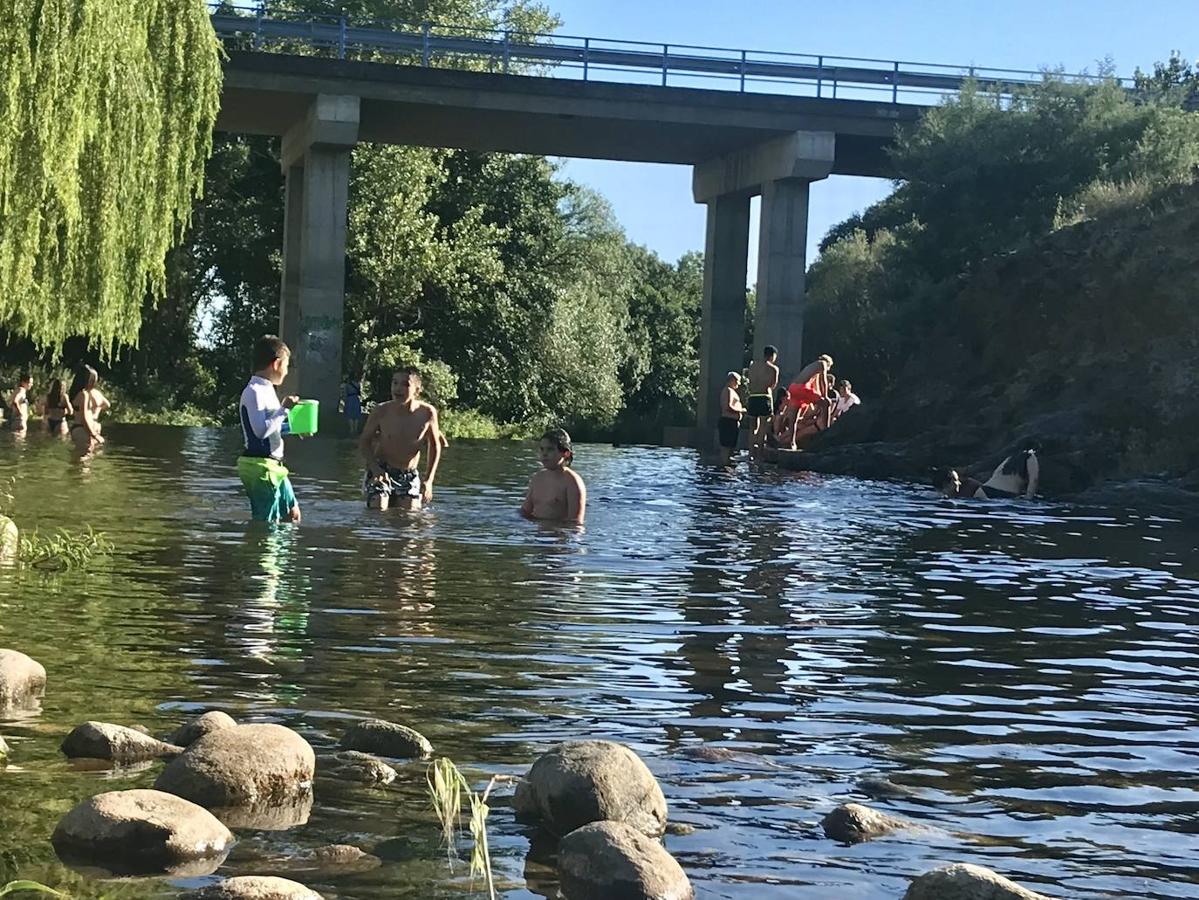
(264, 422)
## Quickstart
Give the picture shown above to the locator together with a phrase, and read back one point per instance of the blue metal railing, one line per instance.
(601, 59)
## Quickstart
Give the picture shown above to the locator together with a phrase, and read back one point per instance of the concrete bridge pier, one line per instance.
(316, 167)
(781, 170)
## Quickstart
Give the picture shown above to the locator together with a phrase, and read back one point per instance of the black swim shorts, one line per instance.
(759, 405)
(728, 431)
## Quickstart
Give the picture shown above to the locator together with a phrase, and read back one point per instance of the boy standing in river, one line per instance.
(391, 445)
(557, 492)
(263, 425)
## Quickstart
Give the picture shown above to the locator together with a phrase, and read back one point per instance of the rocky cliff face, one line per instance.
(1087, 340)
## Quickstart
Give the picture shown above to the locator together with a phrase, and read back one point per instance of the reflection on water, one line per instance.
(1027, 671)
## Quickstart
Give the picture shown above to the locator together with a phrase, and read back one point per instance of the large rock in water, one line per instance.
(852, 823)
(966, 882)
(386, 739)
(213, 720)
(580, 782)
(21, 678)
(613, 861)
(100, 740)
(141, 832)
(242, 765)
(255, 887)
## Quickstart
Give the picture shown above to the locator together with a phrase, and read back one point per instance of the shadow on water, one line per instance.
(765, 641)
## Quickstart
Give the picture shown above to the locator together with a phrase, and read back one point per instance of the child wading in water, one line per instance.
(556, 492)
(263, 424)
(391, 444)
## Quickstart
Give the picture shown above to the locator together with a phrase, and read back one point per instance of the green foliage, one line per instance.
(458, 422)
(980, 178)
(106, 115)
(62, 549)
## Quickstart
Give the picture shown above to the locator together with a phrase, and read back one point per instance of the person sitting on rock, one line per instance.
(845, 400)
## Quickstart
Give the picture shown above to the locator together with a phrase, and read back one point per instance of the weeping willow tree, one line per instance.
(106, 116)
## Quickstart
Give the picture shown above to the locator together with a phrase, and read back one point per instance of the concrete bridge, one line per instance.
(739, 142)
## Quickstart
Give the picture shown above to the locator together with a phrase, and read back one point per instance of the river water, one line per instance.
(1030, 670)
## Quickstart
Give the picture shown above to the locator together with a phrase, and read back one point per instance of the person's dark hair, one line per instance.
(561, 440)
(779, 396)
(413, 371)
(26, 376)
(85, 379)
(941, 476)
(770, 350)
(56, 397)
(267, 349)
(1017, 463)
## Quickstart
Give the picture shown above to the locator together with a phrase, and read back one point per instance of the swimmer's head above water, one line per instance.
(555, 449)
(947, 481)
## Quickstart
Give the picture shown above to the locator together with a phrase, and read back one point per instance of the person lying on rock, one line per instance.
(557, 492)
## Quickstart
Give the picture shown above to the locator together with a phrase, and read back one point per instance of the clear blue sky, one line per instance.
(653, 202)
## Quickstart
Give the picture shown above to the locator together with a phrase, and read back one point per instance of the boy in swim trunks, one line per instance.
(391, 445)
(763, 379)
(263, 425)
(728, 428)
(557, 492)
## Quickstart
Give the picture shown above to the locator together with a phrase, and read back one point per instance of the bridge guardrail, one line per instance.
(586, 58)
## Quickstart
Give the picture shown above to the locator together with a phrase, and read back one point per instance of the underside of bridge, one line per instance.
(739, 145)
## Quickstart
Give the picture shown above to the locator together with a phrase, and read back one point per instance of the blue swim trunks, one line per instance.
(267, 486)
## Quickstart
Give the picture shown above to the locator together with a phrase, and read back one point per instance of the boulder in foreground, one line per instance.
(213, 720)
(141, 831)
(246, 764)
(386, 739)
(967, 882)
(614, 861)
(853, 823)
(100, 740)
(579, 782)
(21, 678)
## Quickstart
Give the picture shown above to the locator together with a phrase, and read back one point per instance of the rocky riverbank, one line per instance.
(1085, 340)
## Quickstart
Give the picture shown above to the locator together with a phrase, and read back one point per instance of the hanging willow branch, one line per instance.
(106, 116)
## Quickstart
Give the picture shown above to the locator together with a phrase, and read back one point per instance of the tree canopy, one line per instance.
(106, 115)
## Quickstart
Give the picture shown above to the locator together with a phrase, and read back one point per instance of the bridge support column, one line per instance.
(316, 165)
(781, 170)
(722, 341)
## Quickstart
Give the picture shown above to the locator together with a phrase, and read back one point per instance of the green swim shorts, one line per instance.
(267, 486)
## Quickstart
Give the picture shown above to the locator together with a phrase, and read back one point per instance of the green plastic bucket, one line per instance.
(301, 418)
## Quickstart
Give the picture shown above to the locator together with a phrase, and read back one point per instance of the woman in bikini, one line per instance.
(88, 404)
(58, 408)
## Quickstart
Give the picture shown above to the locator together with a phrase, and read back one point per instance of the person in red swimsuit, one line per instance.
(811, 389)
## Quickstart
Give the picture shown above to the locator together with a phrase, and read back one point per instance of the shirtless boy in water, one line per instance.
(556, 492)
(391, 444)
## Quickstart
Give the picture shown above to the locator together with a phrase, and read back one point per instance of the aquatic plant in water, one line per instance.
(62, 549)
(447, 788)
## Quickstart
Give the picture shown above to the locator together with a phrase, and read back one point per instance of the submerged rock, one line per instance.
(255, 887)
(246, 764)
(967, 882)
(141, 831)
(21, 679)
(579, 782)
(100, 740)
(352, 765)
(340, 859)
(852, 823)
(608, 860)
(213, 720)
(386, 739)
(882, 788)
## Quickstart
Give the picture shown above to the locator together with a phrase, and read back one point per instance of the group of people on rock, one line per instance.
(394, 436)
(75, 411)
(782, 418)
